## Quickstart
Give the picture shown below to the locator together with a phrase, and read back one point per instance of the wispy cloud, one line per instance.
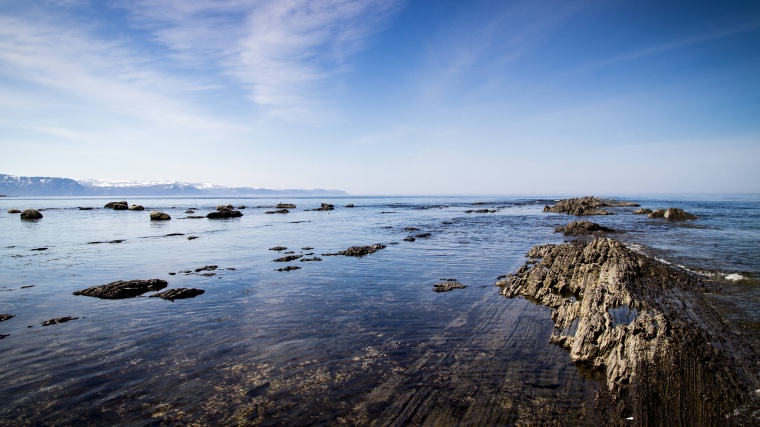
(286, 54)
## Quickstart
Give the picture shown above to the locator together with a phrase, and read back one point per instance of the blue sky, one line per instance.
(386, 96)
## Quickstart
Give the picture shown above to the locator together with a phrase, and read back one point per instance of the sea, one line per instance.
(339, 341)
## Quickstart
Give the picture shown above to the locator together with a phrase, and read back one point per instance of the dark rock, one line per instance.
(4, 335)
(178, 293)
(583, 228)
(485, 211)
(174, 234)
(279, 211)
(325, 207)
(306, 248)
(110, 205)
(84, 209)
(192, 237)
(224, 214)
(288, 258)
(195, 217)
(39, 249)
(675, 214)
(278, 248)
(423, 236)
(4, 317)
(121, 207)
(657, 213)
(350, 205)
(14, 211)
(189, 211)
(311, 259)
(241, 207)
(110, 241)
(224, 207)
(30, 214)
(207, 268)
(411, 229)
(289, 252)
(285, 206)
(448, 286)
(469, 211)
(409, 239)
(588, 205)
(159, 216)
(642, 211)
(58, 320)
(123, 289)
(137, 208)
(648, 327)
(289, 268)
(359, 251)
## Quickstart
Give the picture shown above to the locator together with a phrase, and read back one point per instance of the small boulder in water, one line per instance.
(30, 214)
(657, 213)
(179, 293)
(112, 205)
(448, 286)
(642, 211)
(14, 211)
(137, 208)
(675, 214)
(159, 216)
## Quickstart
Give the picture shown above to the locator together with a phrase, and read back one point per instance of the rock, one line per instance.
(409, 239)
(485, 211)
(647, 326)
(4, 335)
(288, 258)
(285, 206)
(311, 259)
(350, 205)
(224, 214)
(306, 248)
(137, 208)
(39, 249)
(423, 236)
(159, 216)
(642, 211)
(195, 217)
(241, 207)
(448, 286)
(84, 208)
(583, 228)
(189, 211)
(110, 205)
(14, 211)
(325, 207)
(657, 213)
(588, 205)
(58, 320)
(207, 268)
(178, 293)
(4, 317)
(192, 237)
(675, 214)
(224, 207)
(123, 289)
(278, 211)
(120, 207)
(289, 268)
(359, 251)
(278, 248)
(30, 214)
(411, 229)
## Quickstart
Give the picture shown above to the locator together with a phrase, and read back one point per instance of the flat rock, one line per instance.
(14, 211)
(4, 317)
(448, 286)
(359, 251)
(123, 289)
(224, 214)
(278, 211)
(110, 205)
(30, 214)
(289, 268)
(647, 327)
(589, 205)
(278, 248)
(178, 293)
(285, 206)
(583, 228)
(58, 320)
(288, 258)
(159, 216)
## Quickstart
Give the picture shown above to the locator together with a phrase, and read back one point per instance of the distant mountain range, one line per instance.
(55, 187)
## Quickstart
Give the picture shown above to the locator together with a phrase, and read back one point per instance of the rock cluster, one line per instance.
(285, 206)
(123, 289)
(583, 228)
(136, 208)
(359, 251)
(647, 326)
(672, 214)
(325, 207)
(58, 320)
(448, 286)
(224, 212)
(588, 205)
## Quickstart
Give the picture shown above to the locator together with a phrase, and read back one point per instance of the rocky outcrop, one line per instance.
(112, 205)
(123, 289)
(285, 206)
(448, 286)
(667, 357)
(288, 258)
(657, 213)
(583, 228)
(30, 214)
(675, 214)
(178, 293)
(642, 211)
(278, 248)
(224, 214)
(588, 205)
(159, 216)
(289, 268)
(136, 208)
(325, 207)
(359, 251)
(58, 320)
(224, 207)
(6, 316)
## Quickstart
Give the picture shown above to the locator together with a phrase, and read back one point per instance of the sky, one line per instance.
(386, 97)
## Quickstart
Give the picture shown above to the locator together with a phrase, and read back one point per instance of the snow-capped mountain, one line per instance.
(45, 186)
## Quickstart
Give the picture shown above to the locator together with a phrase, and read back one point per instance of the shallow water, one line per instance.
(342, 340)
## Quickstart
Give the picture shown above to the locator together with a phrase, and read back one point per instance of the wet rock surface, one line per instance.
(448, 286)
(583, 228)
(359, 251)
(288, 258)
(112, 205)
(4, 317)
(136, 208)
(58, 320)
(675, 214)
(588, 205)
(642, 211)
(14, 211)
(278, 211)
(31, 214)
(324, 207)
(123, 289)
(289, 268)
(278, 248)
(285, 206)
(178, 293)
(224, 213)
(666, 355)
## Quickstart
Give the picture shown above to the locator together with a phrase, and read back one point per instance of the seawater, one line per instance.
(340, 341)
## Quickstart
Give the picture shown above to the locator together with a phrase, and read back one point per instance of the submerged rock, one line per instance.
(14, 211)
(359, 251)
(278, 248)
(588, 205)
(224, 214)
(285, 206)
(289, 268)
(30, 214)
(288, 258)
(642, 211)
(448, 286)
(178, 293)
(278, 211)
(123, 289)
(583, 228)
(159, 216)
(665, 353)
(58, 320)
(325, 207)
(4, 317)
